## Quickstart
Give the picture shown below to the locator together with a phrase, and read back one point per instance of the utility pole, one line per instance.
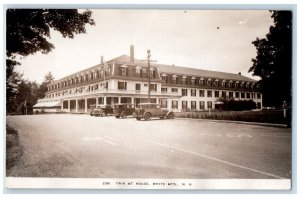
(149, 60)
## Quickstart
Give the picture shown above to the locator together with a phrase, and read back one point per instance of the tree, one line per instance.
(12, 84)
(43, 87)
(273, 62)
(27, 31)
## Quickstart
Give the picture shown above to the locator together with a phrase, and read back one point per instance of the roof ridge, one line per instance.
(173, 69)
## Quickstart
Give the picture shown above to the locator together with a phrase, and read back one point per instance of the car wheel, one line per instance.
(161, 117)
(117, 116)
(147, 116)
(124, 114)
(138, 118)
(171, 116)
(102, 114)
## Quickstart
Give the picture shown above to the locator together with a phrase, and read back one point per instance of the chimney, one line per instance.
(240, 73)
(102, 60)
(131, 53)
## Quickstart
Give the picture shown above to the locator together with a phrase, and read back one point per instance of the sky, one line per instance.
(218, 40)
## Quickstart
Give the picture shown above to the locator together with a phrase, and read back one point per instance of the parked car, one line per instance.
(149, 110)
(123, 110)
(102, 110)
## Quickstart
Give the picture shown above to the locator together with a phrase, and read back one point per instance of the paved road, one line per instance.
(65, 145)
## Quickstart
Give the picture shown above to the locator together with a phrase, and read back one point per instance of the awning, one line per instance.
(47, 104)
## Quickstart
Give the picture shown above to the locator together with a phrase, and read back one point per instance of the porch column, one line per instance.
(85, 105)
(179, 105)
(132, 100)
(119, 100)
(104, 100)
(97, 101)
(69, 104)
(62, 105)
(76, 107)
(169, 104)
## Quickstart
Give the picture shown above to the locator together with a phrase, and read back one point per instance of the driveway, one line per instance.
(81, 146)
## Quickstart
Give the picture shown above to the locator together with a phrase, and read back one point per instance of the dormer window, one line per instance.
(209, 82)
(201, 82)
(92, 75)
(258, 86)
(193, 80)
(98, 74)
(242, 84)
(247, 85)
(174, 78)
(216, 83)
(237, 83)
(230, 84)
(184, 80)
(137, 71)
(164, 77)
(152, 72)
(123, 71)
(224, 83)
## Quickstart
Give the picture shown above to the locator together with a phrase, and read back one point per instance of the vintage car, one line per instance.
(123, 110)
(149, 110)
(102, 110)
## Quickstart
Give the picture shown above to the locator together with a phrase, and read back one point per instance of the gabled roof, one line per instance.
(202, 73)
(170, 69)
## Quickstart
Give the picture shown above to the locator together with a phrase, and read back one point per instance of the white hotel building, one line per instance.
(125, 80)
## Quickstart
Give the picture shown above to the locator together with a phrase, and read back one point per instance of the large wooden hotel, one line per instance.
(125, 80)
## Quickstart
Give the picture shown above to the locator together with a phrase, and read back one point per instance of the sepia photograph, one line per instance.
(148, 99)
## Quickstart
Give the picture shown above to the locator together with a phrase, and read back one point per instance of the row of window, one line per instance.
(193, 92)
(137, 71)
(142, 72)
(193, 104)
(99, 74)
(89, 88)
(184, 104)
(122, 85)
(217, 94)
(174, 79)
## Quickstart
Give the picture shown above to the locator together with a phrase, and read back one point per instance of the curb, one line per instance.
(239, 122)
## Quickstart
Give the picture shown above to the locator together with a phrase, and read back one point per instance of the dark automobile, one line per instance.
(148, 110)
(123, 110)
(102, 110)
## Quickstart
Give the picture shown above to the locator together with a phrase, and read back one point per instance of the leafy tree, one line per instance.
(28, 31)
(273, 62)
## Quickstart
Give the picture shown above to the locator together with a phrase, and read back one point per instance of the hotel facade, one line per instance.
(125, 80)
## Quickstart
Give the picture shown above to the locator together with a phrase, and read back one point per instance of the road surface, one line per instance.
(81, 146)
